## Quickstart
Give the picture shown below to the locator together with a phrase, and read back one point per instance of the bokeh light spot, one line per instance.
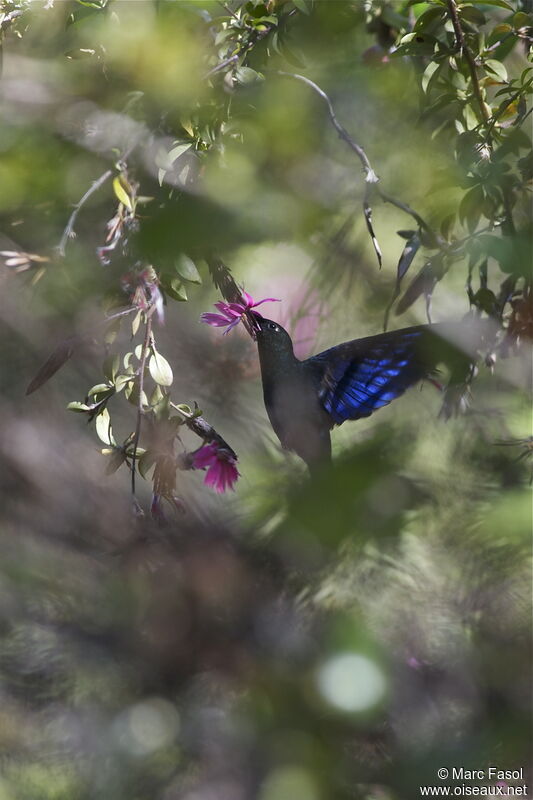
(351, 682)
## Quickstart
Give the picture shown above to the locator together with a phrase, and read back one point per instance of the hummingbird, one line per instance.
(304, 400)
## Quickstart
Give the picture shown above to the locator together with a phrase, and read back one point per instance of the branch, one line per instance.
(387, 198)
(370, 175)
(469, 58)
(68, 233)
(227, 61)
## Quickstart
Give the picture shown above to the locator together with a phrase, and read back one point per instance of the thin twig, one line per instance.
(387, 198)
(68, 233)
(469, 58)
(227, 61)
(370, 175)
(140, 409)
(119, 314)
(228, 9)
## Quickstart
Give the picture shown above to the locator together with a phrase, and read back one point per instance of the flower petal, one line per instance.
(266, 300)
(236, 308)
(215, 320)
(232, 325)
(248, 299)
(227, 310)
(211, 477)
(205, 456)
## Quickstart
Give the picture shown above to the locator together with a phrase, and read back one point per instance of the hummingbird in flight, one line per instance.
(304, 400)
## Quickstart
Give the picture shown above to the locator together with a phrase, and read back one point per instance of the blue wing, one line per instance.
(357, 378)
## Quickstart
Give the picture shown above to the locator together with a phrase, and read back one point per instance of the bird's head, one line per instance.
(272, 339)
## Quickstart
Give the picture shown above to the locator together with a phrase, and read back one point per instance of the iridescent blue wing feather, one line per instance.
(359, 377)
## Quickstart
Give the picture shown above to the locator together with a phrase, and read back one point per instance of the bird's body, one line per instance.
(305, 399)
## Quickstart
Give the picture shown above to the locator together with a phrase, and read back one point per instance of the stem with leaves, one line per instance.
(140, 409)
(469, 58)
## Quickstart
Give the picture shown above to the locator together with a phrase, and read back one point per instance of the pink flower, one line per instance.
(232, 313)
(220, 464)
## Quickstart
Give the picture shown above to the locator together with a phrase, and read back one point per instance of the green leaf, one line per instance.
(498, 32)
(160, 369)
(103, 427)
(429, 18)
(110, 366)
(132, 394)
(406, 259)
(146, 462)
(121, 381)
(522, 20)
(135, 323)
(176, 289)
(497, 68)
(165, 159)
(58, 358)
(186, 268)
(187, 410)
(472, 14)
(246, 75)
(112, 330)
(156, 396)
(422, 283)
(301, 5)
(116, 459)
(417, 44)
(293, 57)
(471, 206)
(100, 389)
(121, 193)
(81, 408)
(498, 3)
(470, 118)
(177, 151)
(429, 73)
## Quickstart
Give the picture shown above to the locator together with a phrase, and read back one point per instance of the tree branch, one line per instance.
(469, 58)
(68, 233)
(371, 177)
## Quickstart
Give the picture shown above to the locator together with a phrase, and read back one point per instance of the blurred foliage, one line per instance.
(341, 639)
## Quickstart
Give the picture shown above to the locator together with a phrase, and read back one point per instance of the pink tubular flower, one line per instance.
(220, 464)
(232, 313)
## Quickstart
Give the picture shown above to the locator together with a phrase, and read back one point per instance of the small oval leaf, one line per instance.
(121, 193)
(160, 369)
(81, 408)
(103, 427)
(186, 268)
(406, 259)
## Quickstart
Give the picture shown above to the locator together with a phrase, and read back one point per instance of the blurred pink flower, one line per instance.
(232, 313)
(220, 463)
